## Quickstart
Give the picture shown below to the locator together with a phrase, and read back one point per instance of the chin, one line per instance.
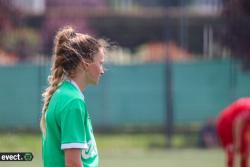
(94, 82)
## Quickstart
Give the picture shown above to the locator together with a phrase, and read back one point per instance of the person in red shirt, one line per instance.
(233, 127)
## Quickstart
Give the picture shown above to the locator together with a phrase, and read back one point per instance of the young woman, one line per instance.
(233, 127)
(68, 139)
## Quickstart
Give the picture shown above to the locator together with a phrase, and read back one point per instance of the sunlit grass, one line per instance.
(120, 150)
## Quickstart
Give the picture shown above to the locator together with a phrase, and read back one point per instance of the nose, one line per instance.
(102, 71)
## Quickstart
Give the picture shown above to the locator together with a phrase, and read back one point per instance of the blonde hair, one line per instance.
(70, 48)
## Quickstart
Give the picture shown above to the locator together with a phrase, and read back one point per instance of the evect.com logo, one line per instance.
(17, 156)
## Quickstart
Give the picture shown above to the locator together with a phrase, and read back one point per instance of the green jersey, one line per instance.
(68, 125)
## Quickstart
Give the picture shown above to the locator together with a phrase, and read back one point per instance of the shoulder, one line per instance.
(73, 110)
(67, 92)
(75, 103)
(241, 105)
(67, 97)
(67, 88)
(237, 107)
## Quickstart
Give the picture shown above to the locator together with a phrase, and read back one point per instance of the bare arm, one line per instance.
(237, 128)
(73, 157)
(238, 124)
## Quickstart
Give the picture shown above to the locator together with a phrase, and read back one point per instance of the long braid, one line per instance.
(57, 70)
(54, 79)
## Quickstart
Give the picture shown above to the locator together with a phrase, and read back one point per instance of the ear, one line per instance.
(84, 65)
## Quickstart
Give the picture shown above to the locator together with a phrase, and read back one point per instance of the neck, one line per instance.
(82, 85)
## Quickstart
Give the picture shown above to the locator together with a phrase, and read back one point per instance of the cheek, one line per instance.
(95, 70)
(98, 69)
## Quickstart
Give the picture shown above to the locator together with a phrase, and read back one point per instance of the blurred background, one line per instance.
(174, 65)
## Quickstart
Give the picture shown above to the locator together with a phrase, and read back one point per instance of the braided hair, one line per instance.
(70, 48)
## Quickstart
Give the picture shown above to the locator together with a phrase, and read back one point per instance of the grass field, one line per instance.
(121, 151)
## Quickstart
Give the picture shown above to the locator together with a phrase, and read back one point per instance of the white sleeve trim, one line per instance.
(74, 145)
